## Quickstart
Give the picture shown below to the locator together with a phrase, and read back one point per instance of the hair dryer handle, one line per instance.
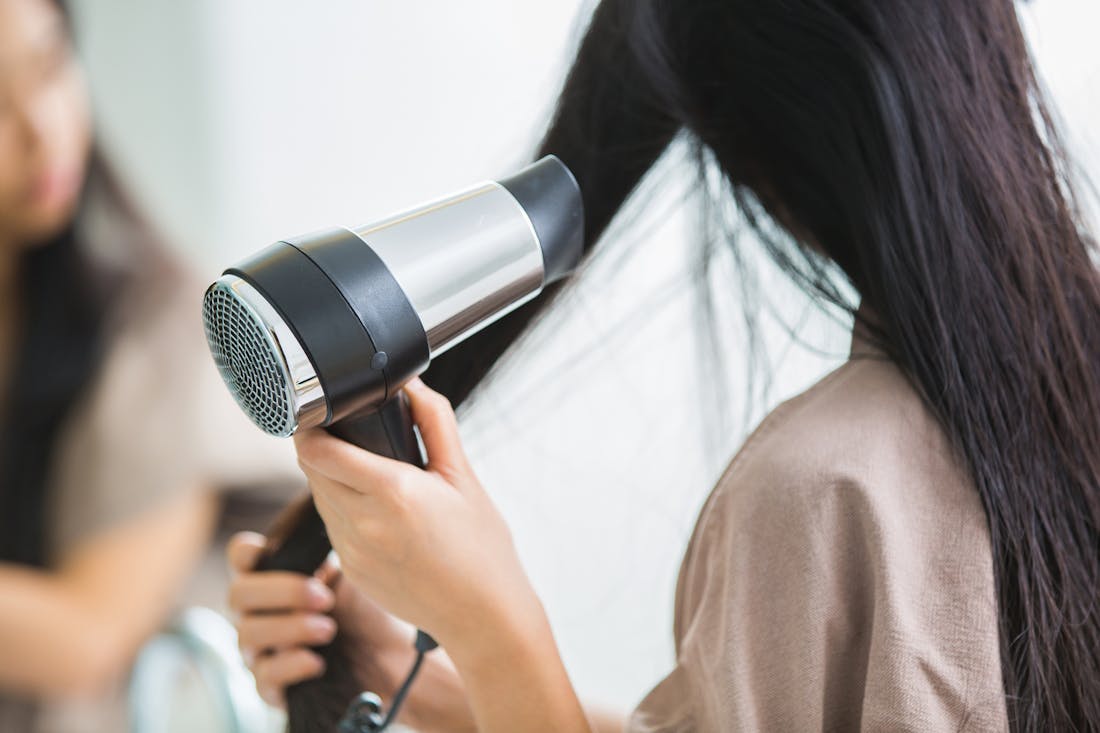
(388, 431)
(298, 540)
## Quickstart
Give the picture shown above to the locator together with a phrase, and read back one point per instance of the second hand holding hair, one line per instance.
(285, 616)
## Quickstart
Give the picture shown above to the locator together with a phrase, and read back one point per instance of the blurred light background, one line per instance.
(238, 123)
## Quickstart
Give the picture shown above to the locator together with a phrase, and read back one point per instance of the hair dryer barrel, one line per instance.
(468, 259)
(321, 327)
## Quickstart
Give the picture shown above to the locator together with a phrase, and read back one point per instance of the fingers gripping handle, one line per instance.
(298, 541)
(390, 432)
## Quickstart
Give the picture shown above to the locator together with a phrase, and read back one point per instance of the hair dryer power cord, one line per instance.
(364, 715)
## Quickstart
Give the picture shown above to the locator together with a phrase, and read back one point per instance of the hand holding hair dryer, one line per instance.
(323, 330)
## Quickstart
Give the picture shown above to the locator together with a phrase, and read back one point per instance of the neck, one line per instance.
(9, 292)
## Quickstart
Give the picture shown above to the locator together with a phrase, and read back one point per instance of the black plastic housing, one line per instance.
(358, 329)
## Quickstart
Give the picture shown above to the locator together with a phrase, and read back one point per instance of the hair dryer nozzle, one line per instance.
(549, 194)
(260, 359)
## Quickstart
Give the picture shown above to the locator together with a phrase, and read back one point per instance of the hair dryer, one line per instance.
(326, 328)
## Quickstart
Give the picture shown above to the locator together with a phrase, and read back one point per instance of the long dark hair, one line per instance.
(908, 143)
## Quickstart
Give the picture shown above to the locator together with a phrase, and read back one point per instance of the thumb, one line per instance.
(244, 551)
(434, 416)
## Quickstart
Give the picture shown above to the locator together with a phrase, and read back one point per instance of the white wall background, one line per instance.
(242, 122)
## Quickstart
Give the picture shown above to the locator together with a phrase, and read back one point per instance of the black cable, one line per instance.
(364, 715)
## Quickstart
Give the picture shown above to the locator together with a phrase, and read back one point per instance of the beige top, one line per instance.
(839, 577)
(155, 421)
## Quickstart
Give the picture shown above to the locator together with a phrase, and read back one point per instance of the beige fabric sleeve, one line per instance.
(839, 579)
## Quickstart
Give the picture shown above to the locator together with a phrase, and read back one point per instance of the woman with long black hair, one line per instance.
(107, 448)
(913, 543)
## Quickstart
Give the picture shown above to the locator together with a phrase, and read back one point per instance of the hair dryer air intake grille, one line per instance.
(249, 359)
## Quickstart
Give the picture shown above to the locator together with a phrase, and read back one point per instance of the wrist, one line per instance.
(515, 678)
(513, 633)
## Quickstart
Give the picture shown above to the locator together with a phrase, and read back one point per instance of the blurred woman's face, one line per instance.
(45, 129)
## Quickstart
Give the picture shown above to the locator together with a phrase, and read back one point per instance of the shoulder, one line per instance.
(863, 437)
(857, 463)
(158, 366)
(157, 420)
(154, 356)
(844, 556)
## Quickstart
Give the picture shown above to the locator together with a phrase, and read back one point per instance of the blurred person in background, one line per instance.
(913, 544)
(107, 459)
